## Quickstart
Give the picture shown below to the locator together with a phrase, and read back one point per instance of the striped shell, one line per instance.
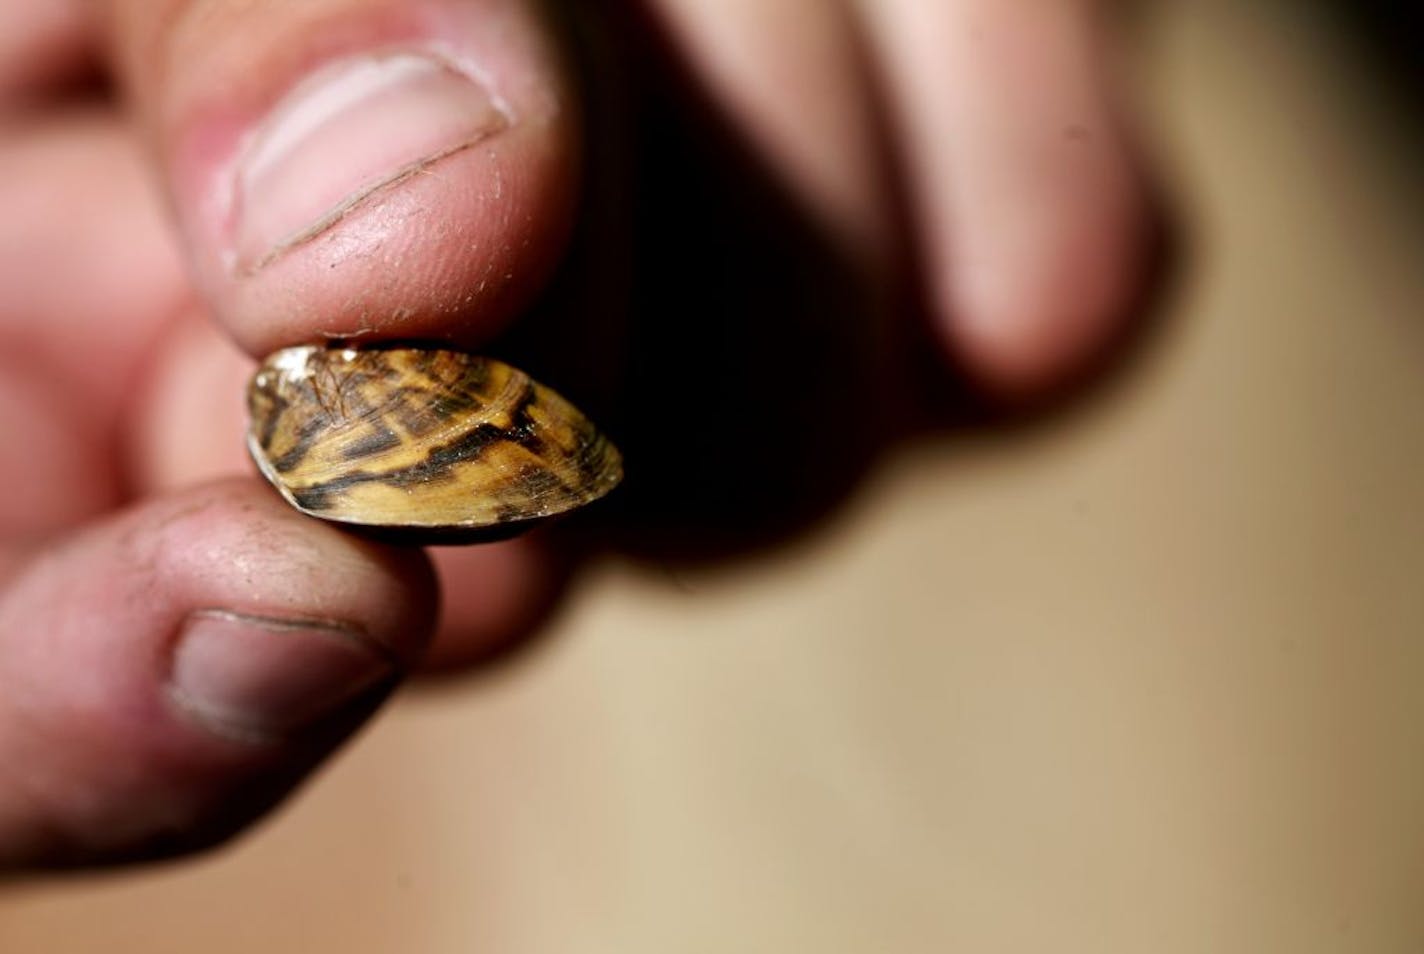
(422, 442)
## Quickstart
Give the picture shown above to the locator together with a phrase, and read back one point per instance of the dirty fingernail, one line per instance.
(261, 678)
(344, 135)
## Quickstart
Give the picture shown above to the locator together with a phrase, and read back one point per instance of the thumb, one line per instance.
(402, 168)
(168, 675)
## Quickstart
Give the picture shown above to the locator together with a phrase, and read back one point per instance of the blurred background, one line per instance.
(1147, 678)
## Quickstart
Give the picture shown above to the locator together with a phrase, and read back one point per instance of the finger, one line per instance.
(189, 423)
(88, 271)
(349, 167)
(791, 76)
(43, 45)
(494, 597)
(88, 275)
(1031, 211)
(168, 675)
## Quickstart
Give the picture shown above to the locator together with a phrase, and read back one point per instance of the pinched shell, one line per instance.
(422, 442)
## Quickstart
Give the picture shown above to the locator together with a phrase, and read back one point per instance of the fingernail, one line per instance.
(260, 678)
(344, 135)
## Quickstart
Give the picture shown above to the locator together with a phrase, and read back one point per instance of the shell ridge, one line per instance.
(405, 438)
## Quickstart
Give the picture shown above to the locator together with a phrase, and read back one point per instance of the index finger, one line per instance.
(347, 168)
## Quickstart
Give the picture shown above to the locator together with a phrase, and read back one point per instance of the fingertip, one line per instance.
(1026, 183)
(450, 253)
(495, 597)
(358, 169)
(234, 545)
(1034, 295)
(168, 675)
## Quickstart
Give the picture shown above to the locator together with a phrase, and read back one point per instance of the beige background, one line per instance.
(1149, 680)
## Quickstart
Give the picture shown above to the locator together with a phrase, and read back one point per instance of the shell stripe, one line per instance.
(439, 461)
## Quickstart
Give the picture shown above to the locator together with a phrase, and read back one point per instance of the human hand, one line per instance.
(174, 658)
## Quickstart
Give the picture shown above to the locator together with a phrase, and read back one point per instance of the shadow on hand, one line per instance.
(734, 353)
(750, 372)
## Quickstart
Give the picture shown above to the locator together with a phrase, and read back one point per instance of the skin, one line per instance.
(118, 392)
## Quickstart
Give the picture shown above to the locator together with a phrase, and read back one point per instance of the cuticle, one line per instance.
(348, 632)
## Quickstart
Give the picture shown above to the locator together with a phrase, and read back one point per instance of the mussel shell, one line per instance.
(422, 445)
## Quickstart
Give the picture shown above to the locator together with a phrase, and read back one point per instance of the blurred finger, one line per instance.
(1031, 210)
(44, 44)
(494, 596)
(88, 277)
(89, 273)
